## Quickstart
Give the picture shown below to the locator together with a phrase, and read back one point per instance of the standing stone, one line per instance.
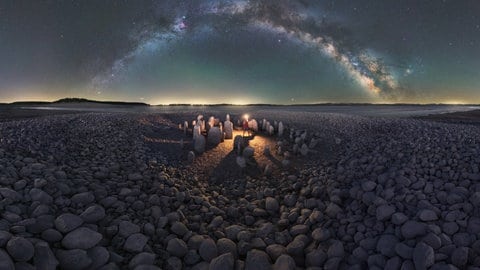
(191, 157)
(253, 125)
(199, 144)
(280, 129)
(214, 136)
(228, 129)
(185, 128)
(197, 132)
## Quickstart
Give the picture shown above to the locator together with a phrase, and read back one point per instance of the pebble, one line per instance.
(81, 238)
(20, 249)
(135, 243)
(177, 247)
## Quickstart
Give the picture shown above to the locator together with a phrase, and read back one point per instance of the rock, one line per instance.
(368, 186)
(148, 267)
(384, 212)
(191, 157)
(127, 228)
(275, 250)
(143, 258)
(199, 144)
(208, 250)
(423, 256)
(412, 229)
(271, 204)
(20, 249)
(177, 247)
(399, 218)
(135, 243)
(83, 198)
(51, 235)
(460, 257)
(81, 238)
(284, 262)
(179, 228)
(257, 260)
(214, 136)
(6, 262)
(336, 250)
(10, 194)
(93, 214)
(386, 244)
(304, 150)
(135, 177)
(41, 196)
(75, 259)
(241, 162)
(228, 129)
(298, 229)
(43, 257)
(320, 234)
(332, 210)
(403, 250)
(225, 245)
(225, 261)
(315, 258)
(4, 237)
(99, 257)
(248, 152)
(427, 215)
(67, 222)
(393, 263)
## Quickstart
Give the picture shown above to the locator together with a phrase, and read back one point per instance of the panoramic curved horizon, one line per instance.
(241, 52)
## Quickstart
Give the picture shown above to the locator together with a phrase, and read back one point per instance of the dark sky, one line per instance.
(274, 51)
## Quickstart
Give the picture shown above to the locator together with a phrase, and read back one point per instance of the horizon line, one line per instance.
(114, 102)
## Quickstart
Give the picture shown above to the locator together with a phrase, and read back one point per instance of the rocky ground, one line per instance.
(90, 191)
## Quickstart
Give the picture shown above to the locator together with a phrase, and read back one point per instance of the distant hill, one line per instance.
(79, 100)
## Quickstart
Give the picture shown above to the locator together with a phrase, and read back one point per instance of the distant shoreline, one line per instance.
(126, 103)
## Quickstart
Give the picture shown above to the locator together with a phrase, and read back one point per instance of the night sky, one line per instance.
(276, 51)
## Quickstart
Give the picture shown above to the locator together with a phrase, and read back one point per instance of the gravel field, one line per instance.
(116, 191)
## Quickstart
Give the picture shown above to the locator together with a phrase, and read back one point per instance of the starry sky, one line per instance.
(241, 51)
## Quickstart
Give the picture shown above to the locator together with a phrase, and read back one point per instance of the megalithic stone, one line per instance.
(228, 128)
(199, 144)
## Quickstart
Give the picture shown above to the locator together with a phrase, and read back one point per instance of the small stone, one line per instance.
(423, 256)
(368, 186)
(399, 218)
(93, 214)
(135, 243)
(51, 235)
(208, 250)
(427, 215)
(271, 204)
(44, 258)
(177, 247)
(99, 256)
(81, 238)
(412, 229)
(75, 259)
(460, 257)
(386, 244)
(179, 228)
(336, 250)
(143, 258)
(6, 262)
(20, 249)
(225, 245)
(67, 222)
(127, 228)
(83, 198)
(332, 210)
(284, 262)
(384, 212)
(320, 234)
(257, 260)
(225, 261)
(315, 258)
